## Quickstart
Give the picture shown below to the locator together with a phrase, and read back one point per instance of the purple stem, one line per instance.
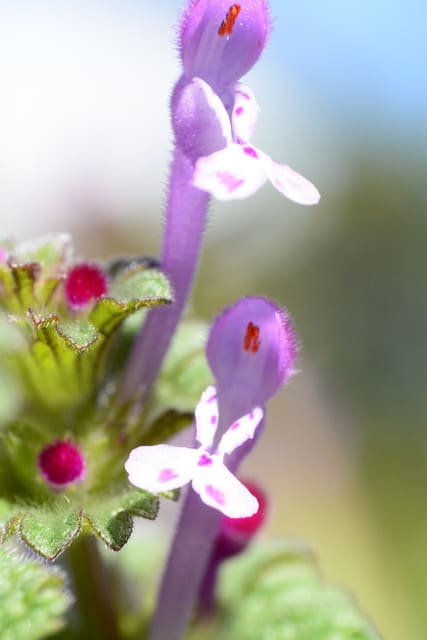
(185, 222)
(206, 595)
(191, 548)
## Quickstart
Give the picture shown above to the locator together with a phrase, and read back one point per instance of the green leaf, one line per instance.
(80, 335)
(134, 289)
(50, 531)
(141, 284)
(32, 599)
(60, 367)
(185, 373)
(110, 517)
(276, 593)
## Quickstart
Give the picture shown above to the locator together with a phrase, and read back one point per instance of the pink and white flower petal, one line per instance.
(232, 173)
(200, 120)
(206, 415)
(245, 114)
(220, 489)
(161, 467)
(240, 431)
(290, 183)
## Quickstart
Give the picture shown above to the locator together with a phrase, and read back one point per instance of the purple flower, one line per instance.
(220, 42)
(163, 467)
(252, 349)
(214, 116)
(238, 169)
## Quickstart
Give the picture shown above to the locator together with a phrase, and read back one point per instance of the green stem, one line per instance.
(95, 604)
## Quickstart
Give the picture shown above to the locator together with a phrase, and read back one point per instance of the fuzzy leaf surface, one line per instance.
(110, 518)
(276, 593)
(32, 598)
(49, 532)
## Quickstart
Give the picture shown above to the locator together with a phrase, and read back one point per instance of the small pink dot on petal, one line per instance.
(239, 111)
(235, 426)
(205, 460)
(216, 494)
(167, 474)
(250, 151)
(214, 419)
(230, 182)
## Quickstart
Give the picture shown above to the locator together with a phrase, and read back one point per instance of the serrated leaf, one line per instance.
(133, 290)
(49, 532)
(32, 599)
(277, 593)
(60, 367)
(111, 517)
(114, 529)
(80, 335)
(139, 283)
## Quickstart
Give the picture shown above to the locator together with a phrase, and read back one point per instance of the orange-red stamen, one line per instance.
(227, 25)
(251, 341)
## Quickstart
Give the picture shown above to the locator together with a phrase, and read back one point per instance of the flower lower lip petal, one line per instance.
(231, 173)
(220, 489)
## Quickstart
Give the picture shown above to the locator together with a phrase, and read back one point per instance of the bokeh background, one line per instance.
(84, 147)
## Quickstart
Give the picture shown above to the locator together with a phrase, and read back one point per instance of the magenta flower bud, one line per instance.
(252, 349)
(233, 537)
(61, 463)
(84, 283)
(221, 41)
(236, 533)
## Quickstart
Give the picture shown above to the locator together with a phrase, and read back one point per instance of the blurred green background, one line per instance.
(84, 147)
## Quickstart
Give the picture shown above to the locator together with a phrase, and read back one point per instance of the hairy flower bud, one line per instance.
(84, 283)
(61, 463)
(252, 348)
(220, 41)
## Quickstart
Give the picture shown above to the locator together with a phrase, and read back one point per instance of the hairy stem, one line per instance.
(95, 603)
(185, 222)
(191, 551)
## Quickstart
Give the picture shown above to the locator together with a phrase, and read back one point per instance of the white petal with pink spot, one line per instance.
(240, 431)
(164, 467)
(206, 415)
